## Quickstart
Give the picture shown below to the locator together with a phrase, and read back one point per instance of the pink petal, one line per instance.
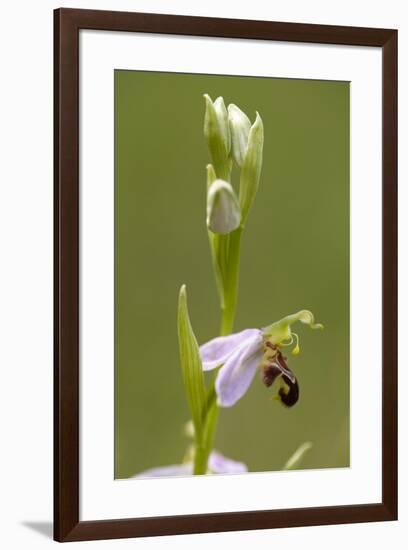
(215, 352)
(235, 377)
(174, 470)
(220, 464)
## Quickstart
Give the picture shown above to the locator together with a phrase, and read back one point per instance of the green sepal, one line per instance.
(240, 126)
(280, 330)
(251, 168)
(217, 133)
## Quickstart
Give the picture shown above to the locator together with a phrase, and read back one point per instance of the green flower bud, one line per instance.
(222, 117)
(251, 168)
(223, 213)
(240, 126)
(217, 133)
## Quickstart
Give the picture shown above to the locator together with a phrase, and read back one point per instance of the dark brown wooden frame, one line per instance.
(67, 24)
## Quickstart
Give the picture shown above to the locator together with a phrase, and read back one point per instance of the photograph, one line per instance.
(201, 254)
(231, 274)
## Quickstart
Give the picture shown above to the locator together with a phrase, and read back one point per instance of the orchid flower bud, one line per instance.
(223, 213)
(251, 168)
(217, 133)
(240, 126)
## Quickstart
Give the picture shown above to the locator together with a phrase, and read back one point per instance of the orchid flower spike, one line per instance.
(217, 464)
(244, 353)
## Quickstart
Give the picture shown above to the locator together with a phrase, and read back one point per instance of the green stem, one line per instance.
(203, 447)
(203, 450)
(200, 460)
(229, 305)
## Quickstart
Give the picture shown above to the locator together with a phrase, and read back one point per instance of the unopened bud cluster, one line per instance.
(231, 138)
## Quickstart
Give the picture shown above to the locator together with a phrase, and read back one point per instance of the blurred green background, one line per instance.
(295, 255)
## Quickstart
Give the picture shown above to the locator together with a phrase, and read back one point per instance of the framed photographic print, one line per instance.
(225, 274)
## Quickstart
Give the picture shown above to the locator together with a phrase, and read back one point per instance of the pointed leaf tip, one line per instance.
(191, 365)
(297, 457)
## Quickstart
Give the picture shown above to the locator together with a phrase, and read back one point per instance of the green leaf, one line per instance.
(211, 417)
(295, 460)
(191, 365)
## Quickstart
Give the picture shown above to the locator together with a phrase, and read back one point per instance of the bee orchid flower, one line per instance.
(244, 353)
